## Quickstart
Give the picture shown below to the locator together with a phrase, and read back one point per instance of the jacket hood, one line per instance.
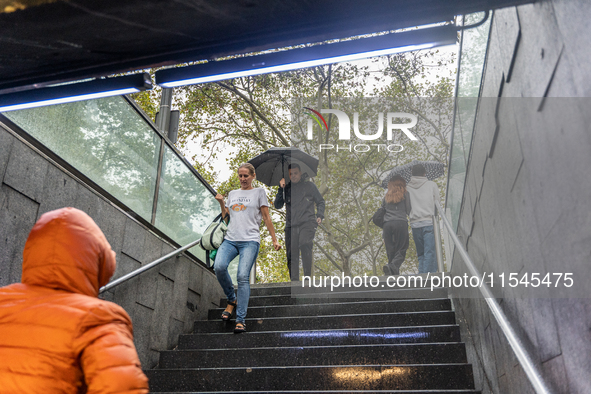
(416, 181)
(66, 250)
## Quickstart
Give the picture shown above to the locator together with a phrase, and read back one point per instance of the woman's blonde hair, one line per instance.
(249, 167)
(396, 190)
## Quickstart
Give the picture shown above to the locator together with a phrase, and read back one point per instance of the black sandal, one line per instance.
(227, 315)
(240, 327)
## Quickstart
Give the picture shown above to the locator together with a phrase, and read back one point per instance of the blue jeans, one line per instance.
(228, 250)
(425, 243)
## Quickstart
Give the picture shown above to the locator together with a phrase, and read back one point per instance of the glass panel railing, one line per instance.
(185, 205)
(474, 46)
(106, 140)
(462, 139)
(472, 56)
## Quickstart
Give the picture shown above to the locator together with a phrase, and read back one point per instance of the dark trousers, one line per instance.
(299, 238)
(395, 233)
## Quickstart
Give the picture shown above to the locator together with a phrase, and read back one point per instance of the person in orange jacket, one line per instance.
(56, 335)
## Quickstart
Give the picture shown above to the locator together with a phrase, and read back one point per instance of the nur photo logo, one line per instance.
(392, 121)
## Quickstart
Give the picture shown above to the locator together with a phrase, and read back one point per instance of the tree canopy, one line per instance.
(237, 119)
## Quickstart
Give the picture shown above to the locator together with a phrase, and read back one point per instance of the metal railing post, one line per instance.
(448, 247)
(438, 247)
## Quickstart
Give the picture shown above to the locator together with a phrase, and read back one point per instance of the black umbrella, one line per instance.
(434, 170)
(271, 165)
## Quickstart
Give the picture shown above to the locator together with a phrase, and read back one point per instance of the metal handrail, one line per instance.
(523, 356)
(154, 263)
(438, 248)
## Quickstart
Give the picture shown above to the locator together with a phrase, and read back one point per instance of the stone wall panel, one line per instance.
(6, 143)
(18, 214)
(159, 308)
(531, 214)
(26, 171)
(59, 191)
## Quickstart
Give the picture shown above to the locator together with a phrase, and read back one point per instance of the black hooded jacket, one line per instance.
(300, 198)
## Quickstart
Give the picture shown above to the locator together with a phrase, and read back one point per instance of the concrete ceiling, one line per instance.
(43, 41)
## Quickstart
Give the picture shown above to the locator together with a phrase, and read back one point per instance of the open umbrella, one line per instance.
(271, 165)
(434, 170)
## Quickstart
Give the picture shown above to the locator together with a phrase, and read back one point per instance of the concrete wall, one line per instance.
(163, 302)
(527, 196)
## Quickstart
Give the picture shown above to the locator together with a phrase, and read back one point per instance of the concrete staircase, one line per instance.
(345, 341)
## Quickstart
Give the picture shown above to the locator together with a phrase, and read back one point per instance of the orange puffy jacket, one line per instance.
(56, 336)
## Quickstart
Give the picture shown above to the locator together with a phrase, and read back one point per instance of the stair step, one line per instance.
(321, 298)
(360, 340)
(330, 322)
(334, 308)
(374, 377)
(363, 336)
(406, 282)
(335, 391)
(270, 289)
(433, 353)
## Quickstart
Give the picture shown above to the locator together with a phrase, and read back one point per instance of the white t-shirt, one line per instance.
(245, 214)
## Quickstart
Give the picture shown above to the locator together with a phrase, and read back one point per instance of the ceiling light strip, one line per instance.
(344, 51)
(68, 93)
(294, 66)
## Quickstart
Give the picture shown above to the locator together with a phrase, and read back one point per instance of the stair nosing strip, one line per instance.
(316, 347)
(355, 289)
(325, 329)
(339, 303)
(350, 295)
(316, 366)
(360, 289)
(254, 319)
(331, 391)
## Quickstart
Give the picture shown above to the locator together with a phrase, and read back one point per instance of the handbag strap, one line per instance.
(220, 218)
(207, 259)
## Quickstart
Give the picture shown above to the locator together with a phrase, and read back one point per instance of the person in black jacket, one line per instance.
(395, 230)
(301, 222)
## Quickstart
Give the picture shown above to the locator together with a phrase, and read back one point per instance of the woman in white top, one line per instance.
(246, 206)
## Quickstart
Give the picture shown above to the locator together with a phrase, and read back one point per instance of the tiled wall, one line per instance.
(162, 302)
(527, 198)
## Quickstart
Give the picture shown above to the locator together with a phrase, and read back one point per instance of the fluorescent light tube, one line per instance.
(293, 66)
(68, 93)
(308, 57)
(70, 99)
